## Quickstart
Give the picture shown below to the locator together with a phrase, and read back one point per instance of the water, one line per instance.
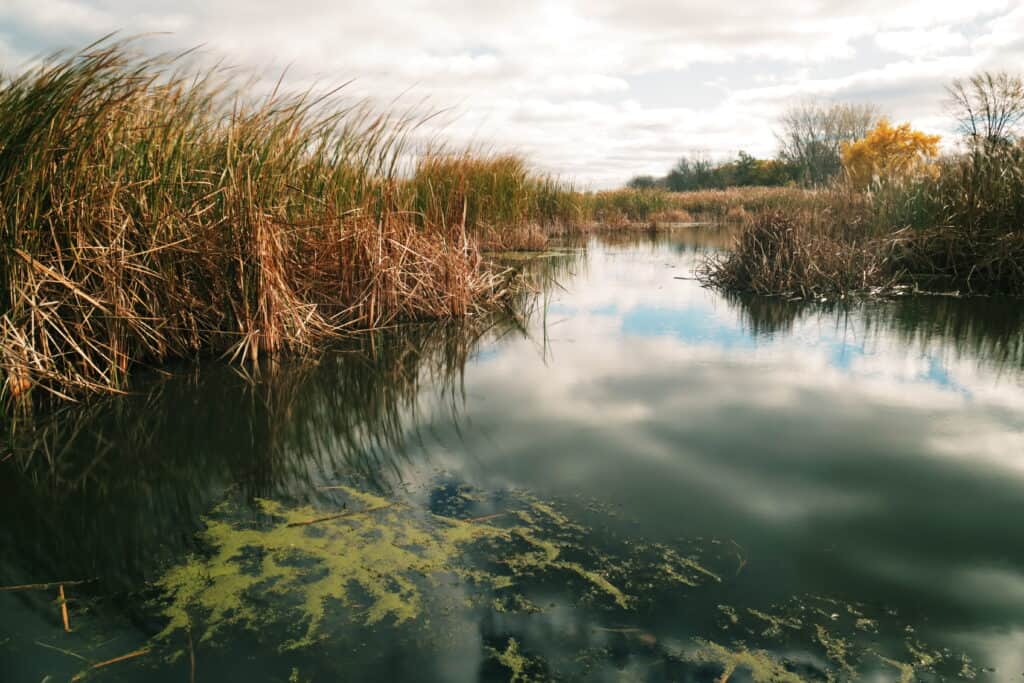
(639, 479)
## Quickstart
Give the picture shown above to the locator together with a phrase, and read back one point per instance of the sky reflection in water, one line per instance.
(868, 454)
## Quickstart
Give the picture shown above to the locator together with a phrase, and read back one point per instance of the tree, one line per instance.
(988, 106)
(697, 172)
(812, 132)
(746, 170)
(888, 152)
(694, 172)
(642, 182)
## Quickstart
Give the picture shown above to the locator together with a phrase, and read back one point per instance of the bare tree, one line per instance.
(988, 106)
(811, 133)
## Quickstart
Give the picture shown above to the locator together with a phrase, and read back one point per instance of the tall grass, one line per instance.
(150, 212)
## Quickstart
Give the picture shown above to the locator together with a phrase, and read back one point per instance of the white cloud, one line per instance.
(921, 42)
(553, 79)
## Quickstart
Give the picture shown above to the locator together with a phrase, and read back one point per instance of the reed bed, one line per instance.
(792, 254)
(150, 212)
(958, 230)
(502, 203)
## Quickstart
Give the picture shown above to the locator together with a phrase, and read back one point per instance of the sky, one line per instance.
(595, 91)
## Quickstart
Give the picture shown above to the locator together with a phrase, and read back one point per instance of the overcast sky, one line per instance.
(595, 90)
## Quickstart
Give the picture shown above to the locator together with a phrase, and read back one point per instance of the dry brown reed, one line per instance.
(149, 212)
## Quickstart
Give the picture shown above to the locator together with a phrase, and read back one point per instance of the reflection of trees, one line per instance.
(111, 488)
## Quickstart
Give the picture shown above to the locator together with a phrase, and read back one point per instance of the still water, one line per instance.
(635, 479)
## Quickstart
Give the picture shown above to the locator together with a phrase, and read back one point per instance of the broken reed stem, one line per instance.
(115, 660)
(191, 655)
(69, 653)
(44, 586)
(485, 518)
(340, 515)
(64, 610)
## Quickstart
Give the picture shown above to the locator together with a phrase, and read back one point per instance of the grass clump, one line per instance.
(149, 211)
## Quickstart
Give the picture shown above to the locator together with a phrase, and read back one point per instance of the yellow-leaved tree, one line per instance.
(889, 152)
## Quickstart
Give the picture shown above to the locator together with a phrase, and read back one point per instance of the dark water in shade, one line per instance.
(843, 487)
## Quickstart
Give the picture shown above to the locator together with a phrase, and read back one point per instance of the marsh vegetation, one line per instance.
(897, 217)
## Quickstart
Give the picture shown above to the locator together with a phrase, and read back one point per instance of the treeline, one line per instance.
(810, 135)
(697, 172)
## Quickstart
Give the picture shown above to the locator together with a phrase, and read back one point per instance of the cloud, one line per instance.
(555, 79)
(921, 42)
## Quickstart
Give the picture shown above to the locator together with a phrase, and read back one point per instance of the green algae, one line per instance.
(906, 671)
(967, 669)
(761, 665)
(922, 657)
(775, 624)
(684, 570)
(730, 614)
(383, 556)
(546, 555)
(848, 636)
(385, 563)
(381, 562)
(866, 625)
(515, 661)
(514, 603)
(837, 649)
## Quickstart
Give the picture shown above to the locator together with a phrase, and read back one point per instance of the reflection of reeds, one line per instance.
(988, 331)
(138, 471)
(766, 316)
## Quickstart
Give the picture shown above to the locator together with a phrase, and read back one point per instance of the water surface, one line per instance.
(636, 479)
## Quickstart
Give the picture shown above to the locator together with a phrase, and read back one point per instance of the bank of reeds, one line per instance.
(960, 229)
(148, 212)
(502, 203)
(642, 207)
